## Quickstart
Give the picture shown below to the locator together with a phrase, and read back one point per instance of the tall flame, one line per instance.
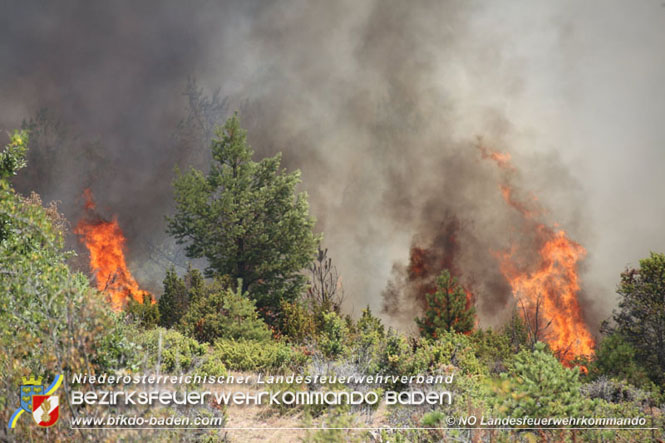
(106, 244)
(550, 285)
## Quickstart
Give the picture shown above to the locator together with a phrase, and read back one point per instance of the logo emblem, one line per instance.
(45, 409)
(38, 401)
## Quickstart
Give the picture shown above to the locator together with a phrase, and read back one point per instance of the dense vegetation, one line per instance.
(257, 312)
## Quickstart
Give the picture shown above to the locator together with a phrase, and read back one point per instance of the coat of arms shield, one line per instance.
(45, 409)
(28, 391)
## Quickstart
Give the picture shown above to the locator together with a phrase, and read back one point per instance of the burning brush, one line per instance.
(547, 284)
(106, 243)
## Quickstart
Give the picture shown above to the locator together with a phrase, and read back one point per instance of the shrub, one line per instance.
(450, 349)
(174, 302)
(333, 335)
(297, 324)
(640, 316)
(249, 355)
(51, 320)
(613, 391)
(492, 349)
(145, 314)
(537, 385)
(221, 312)
(339, 426)
(369, 341)
(169, 349)
(615, 357)
(212, 366)
(516, 332)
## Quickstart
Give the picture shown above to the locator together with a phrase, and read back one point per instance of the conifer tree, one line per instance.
(447, 309)
(246, 219)
(172, 302)
(640, 317)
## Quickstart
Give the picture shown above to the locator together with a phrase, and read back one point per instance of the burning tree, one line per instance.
(246, 219)
(447, 309)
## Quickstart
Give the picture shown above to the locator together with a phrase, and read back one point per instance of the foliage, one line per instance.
(246, 219)
(615, 357)
(169, 349)
(251, 355)
(516, 332)
(174, 301)
(297, 323)
(175, 353)
(370, 324)
(640, 317)
(145, 314)
(12, 157)
(492, 349)
(51, 320)
(368, 342)
(333, 335)
(537, 385)
(340, 425)
(451, 349)
(447, 309)
(218, 311)
(397, 355)
(613, 391)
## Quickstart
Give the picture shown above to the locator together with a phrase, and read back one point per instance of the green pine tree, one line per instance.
(447, 309)
(246, 219)
(172, 304)
(537, 385)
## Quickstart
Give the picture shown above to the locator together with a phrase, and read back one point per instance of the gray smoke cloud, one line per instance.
(379, 103)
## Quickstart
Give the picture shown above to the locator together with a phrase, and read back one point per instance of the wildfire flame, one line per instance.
(551, 284)
(106, 244)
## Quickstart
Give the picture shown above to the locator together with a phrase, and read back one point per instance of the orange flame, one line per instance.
(106, 244)
(554, 284)
(551, 284)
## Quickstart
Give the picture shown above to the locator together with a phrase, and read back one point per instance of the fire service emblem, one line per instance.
(39, 401)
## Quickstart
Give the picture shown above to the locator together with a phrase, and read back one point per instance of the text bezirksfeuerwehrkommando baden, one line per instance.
(150, 379)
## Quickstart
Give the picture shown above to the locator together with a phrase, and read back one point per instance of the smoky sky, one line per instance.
(380, 105)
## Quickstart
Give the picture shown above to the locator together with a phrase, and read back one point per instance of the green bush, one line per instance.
(218, 311)
(250, 355)
(297, 323)
(493, 350)
(368, 339)
(174, 301)
(51, 320)
(333, 335)
(212, 366)
(450, 349)
(178, 353)
(516, 332)
(170, 349)
(397, 356)
(146, 314)
(537, 385)
(615, 357)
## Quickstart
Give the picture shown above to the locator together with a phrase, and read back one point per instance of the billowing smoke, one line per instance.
(379, 103)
